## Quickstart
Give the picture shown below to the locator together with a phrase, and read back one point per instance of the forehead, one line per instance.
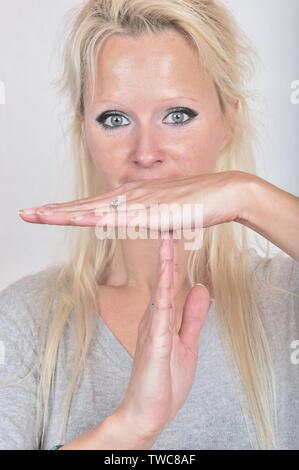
(162, 65)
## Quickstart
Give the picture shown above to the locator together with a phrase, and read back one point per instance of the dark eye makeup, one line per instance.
(101, 119)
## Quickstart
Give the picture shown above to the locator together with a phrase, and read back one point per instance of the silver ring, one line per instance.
(114, 204)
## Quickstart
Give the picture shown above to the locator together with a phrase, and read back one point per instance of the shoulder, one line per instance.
(20, 319)
(21, 301)
(279, 273)
(276, 282)
(26, 284)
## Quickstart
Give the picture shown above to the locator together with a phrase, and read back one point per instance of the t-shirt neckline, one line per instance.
(119, 350)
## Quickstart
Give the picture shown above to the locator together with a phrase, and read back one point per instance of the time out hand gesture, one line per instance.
(165, 360)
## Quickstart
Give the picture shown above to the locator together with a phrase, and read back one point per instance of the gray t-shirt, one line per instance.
(210, 418)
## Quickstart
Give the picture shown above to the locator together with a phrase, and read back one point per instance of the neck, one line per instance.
(136, 265)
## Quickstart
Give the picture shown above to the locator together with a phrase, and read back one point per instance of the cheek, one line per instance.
(100, 153)
(202, 150)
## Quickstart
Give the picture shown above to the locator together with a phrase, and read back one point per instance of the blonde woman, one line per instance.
(139, 343)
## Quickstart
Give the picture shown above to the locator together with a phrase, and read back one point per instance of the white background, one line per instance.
(34, 167)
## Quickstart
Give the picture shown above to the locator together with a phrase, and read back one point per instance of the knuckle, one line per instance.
(50, 206)
(129, 185)
(125, 186)
(163, 305)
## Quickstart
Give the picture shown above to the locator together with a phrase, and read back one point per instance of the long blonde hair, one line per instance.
(228, 56)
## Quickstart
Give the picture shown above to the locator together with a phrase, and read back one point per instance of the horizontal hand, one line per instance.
(146, 200)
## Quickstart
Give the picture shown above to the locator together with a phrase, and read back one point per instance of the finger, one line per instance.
(110, 218)
(60, 218)
(90, 218)
(127, 217)
(162, 310)
(86, 218)
(166, 259)
(171, 254)
(194, 314)
(84, 203)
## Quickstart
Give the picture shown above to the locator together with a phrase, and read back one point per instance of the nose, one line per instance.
(147, 152)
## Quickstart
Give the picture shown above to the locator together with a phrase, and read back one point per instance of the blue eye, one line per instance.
(180, 111)
(117, 118)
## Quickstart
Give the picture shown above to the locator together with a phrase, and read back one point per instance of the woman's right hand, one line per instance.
(165, 360)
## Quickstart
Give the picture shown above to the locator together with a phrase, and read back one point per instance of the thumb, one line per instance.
(195, 312)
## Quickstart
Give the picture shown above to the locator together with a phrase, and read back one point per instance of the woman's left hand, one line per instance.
(216, 193)
(224, 197)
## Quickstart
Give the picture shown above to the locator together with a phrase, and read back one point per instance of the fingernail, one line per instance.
(199, 284)
(26, 211)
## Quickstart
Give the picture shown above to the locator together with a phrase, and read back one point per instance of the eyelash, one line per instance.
(102, 117)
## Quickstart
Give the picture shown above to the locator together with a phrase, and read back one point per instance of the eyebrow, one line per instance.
(102, 100)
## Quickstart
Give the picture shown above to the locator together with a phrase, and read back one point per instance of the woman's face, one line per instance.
(139, 80)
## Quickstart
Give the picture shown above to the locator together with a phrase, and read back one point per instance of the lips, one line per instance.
(145, 178)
